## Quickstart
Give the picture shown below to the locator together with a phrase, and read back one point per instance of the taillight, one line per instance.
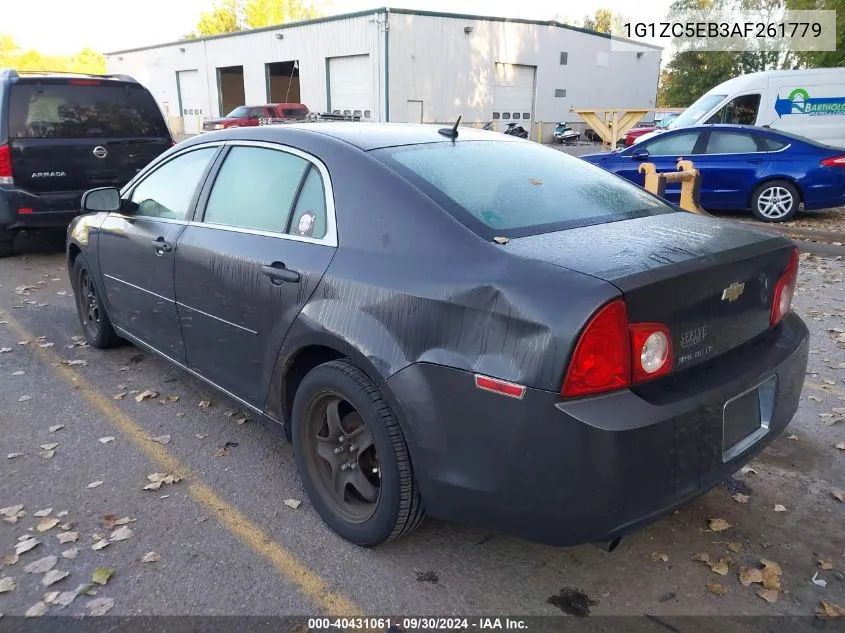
(785, 290)
(602, 358)
(84, 82)
(834, 161)
(6, 165)
(613, 354)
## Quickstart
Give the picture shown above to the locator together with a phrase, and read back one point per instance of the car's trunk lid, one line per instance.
(69, 135)
(711, 282)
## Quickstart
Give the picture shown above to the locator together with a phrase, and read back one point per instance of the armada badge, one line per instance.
(733, 292)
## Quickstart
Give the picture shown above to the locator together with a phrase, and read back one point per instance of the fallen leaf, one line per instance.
(42, 513)
(47, 523)
(769, 595)
(721, 567)
(124, 521)
(7, 584)
(75, 362)
(181, 414)
(106, 440)
(201, 436)
(24, 398)
(67, 537)
(655, 556)
(831, 610)
(119, 396)
(169, 399)
(220, 452)
(157, 480)
(50, 596)
(67, 526)
(49, 447)
(792, 437)
(771, 579)
(13, 455)
(825, 564)
(151, 557)
(8, 559)
(71, 553)
(100, 545)
(204, 404)
(36, 610)
(701, 557)
(718, 525)
(5, 350)
(839, 495)
(821, 582)
(54, 576)
(780, 508)
(147, 393)
(740, 498)
(121, 534)
(749, 575)
(10, 511)
(101, 575)
(100, 606)
(735, 547)
(501, 240)
(56, 427)
(241, 417)
(25, 546)
(841, 446)
(42, 565)
(45, 344)
(47, 454)
(815, 398)
(716, 588)
(768, 564)
(161, 439)
(95, 484)
(747, 470)
(124, 368)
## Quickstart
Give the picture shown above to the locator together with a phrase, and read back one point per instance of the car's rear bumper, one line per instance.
(568, 472)
(20, 209)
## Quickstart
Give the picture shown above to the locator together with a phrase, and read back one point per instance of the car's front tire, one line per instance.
(96, 326)
(352, 456)
(775, 201)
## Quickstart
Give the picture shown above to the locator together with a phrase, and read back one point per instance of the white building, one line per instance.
(400, 65)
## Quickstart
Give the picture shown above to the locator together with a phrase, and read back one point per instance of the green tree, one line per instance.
(823, 59)
(229, 16)
(13, 56)
(603, 20)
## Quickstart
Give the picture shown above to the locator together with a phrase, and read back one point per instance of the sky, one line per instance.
(61, 27)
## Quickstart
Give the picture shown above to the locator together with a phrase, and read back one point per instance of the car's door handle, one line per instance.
(278, 273)
(162, 246)
(755, 160)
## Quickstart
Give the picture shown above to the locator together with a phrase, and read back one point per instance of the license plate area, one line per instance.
(746, 418)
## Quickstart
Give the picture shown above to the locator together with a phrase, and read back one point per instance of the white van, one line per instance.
(810, 103)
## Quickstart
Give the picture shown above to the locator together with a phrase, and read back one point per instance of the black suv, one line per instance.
(61, 134)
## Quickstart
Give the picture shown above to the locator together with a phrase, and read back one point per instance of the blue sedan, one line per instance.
(742, 167)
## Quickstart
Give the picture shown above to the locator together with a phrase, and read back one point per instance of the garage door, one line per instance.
(351, 85)
(190, 100)
(513, 96)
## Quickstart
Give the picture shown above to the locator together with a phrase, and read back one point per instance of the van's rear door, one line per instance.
(67, 135)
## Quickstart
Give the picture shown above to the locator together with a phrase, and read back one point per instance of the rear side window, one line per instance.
(731, 143)
(773, 144)
(79, 111)
(255, 189)
(500, 188)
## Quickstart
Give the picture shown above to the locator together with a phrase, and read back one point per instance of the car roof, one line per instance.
(368, 136)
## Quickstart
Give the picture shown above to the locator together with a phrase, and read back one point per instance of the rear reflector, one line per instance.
(6, 165)
(834, 161)
(785, 290)
(499, 386)
(25, 210)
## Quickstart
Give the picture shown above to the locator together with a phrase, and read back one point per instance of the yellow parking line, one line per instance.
(824, 389)
(309, 582)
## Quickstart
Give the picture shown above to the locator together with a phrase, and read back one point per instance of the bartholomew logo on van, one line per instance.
(800, 102)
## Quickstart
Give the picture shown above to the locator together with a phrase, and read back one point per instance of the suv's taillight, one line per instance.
(612, 354)
(785, 289)
(834, 161)
(6, 165)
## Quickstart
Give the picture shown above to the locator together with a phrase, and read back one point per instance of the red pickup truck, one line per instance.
(248, 116)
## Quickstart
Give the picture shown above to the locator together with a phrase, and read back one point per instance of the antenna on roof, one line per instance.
(450, 132)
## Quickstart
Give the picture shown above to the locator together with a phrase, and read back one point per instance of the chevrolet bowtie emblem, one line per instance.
(733, 292)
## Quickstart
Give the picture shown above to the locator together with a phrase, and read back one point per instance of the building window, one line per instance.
(526, 115)
(560, 92)
(497, 115)
(564, 58)
(506, 115)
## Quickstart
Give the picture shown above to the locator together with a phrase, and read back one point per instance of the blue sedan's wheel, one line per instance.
(352, 456)
(775, 201)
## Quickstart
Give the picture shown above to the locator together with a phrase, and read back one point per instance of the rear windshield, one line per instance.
(514, 189)
(79, 111)
(238, 113)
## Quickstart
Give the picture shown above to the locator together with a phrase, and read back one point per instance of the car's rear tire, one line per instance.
(7, 246)
(775, 201)
(96, 326)
(352, 456)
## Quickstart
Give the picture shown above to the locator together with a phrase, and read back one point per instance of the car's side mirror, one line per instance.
(101, 199)
(639, 154)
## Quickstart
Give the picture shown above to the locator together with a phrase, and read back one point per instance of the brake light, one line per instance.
(6, 165)
(785, 290)
(834, 161)
(602, 358)
(613, 353)
(84, 82)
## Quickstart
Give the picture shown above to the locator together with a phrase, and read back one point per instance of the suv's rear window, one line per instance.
(76, 111)
(513, 189)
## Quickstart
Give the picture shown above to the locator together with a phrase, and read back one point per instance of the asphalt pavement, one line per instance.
(226, 539)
